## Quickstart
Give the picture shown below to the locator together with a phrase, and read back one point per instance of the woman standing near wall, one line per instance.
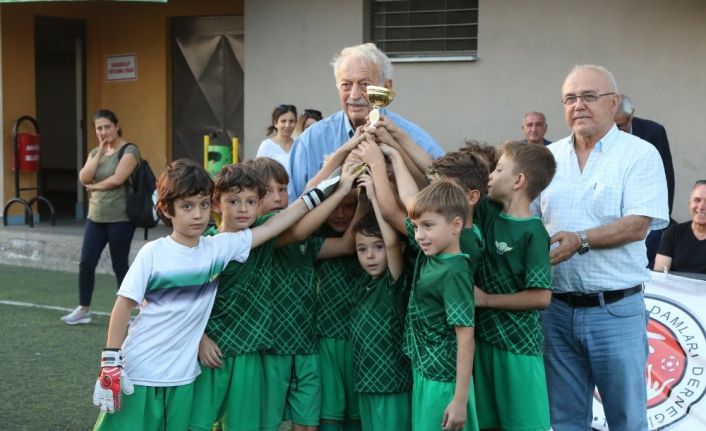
(284, 117)
(104, 175)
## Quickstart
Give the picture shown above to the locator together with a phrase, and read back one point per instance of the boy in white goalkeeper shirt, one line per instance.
(173, 280)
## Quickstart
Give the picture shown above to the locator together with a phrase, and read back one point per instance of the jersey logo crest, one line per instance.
(502, 247)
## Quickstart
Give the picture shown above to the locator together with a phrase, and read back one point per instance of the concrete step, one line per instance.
(59, 247)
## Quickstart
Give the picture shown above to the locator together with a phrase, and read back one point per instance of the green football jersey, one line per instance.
(336, 278)
(516, 258)
(441, 299)
(240, 319)
(377, 331)
(336, 295)
(293, 296)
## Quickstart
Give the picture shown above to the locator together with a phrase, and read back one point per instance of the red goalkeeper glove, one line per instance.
(112, 382)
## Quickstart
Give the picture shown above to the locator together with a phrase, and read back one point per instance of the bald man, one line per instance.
(608, 191)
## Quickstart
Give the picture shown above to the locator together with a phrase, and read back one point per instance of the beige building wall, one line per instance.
(656, 49)
(288, 48)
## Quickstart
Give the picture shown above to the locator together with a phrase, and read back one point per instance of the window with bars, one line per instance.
(418, 30)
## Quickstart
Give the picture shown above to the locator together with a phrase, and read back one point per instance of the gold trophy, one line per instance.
(379, 97)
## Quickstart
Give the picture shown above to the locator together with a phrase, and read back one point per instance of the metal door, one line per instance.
(60, 98)
(207, 82)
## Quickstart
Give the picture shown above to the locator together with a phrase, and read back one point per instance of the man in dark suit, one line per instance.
(655, 134)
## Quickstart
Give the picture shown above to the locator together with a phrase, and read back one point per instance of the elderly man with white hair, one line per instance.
(355, 68)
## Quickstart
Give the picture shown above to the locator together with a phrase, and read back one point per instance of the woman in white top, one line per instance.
(284, 118)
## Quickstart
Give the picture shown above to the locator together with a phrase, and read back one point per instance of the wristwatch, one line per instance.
(583, 236)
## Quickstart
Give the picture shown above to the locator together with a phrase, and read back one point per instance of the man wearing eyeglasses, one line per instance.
(608, 191)
(354, 68)
(655, 134)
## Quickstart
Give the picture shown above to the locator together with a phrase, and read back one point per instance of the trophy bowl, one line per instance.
(380, 96)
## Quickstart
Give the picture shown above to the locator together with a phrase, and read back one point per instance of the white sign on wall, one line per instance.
(121, 67)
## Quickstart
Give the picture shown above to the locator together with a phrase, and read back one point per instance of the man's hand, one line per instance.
(356, 139)
(209, 353)
(369, 152)
(454, 418)
(569, 244)
(112, 382)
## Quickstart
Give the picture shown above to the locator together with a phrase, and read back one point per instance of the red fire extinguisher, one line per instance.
(26, 159)
(28, 149)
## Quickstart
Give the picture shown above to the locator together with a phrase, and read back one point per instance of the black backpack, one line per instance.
(141, 194)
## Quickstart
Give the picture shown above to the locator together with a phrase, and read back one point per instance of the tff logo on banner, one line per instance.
(675, 372)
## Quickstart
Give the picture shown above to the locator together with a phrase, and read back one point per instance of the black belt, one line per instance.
(594, 299)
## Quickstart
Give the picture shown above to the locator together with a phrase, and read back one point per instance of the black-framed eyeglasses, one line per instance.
(586, 98)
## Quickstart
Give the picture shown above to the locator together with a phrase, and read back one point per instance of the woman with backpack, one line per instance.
(104, 175)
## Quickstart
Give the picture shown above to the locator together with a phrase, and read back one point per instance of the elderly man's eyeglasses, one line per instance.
(586, 98)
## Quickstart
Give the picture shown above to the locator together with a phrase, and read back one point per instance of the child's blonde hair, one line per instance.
(442, 197)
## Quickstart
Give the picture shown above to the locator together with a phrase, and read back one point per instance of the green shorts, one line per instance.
(383, 412)
(231, 392)
(292, 387)
(150, 408)
(339, 401)
(430, 399)
(501, 402)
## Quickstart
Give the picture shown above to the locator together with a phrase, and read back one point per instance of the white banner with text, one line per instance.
(676, 381)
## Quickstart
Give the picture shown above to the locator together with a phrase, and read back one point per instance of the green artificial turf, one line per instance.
(48, 369)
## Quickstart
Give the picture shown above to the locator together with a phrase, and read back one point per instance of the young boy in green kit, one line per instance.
(339, 401)
(515, 282)
(229, 386)
(292, 382)
(461, 167)
(440, 316)
(174, 282)
(382, 374)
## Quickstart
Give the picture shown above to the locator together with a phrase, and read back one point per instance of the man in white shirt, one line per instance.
(608, 191)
